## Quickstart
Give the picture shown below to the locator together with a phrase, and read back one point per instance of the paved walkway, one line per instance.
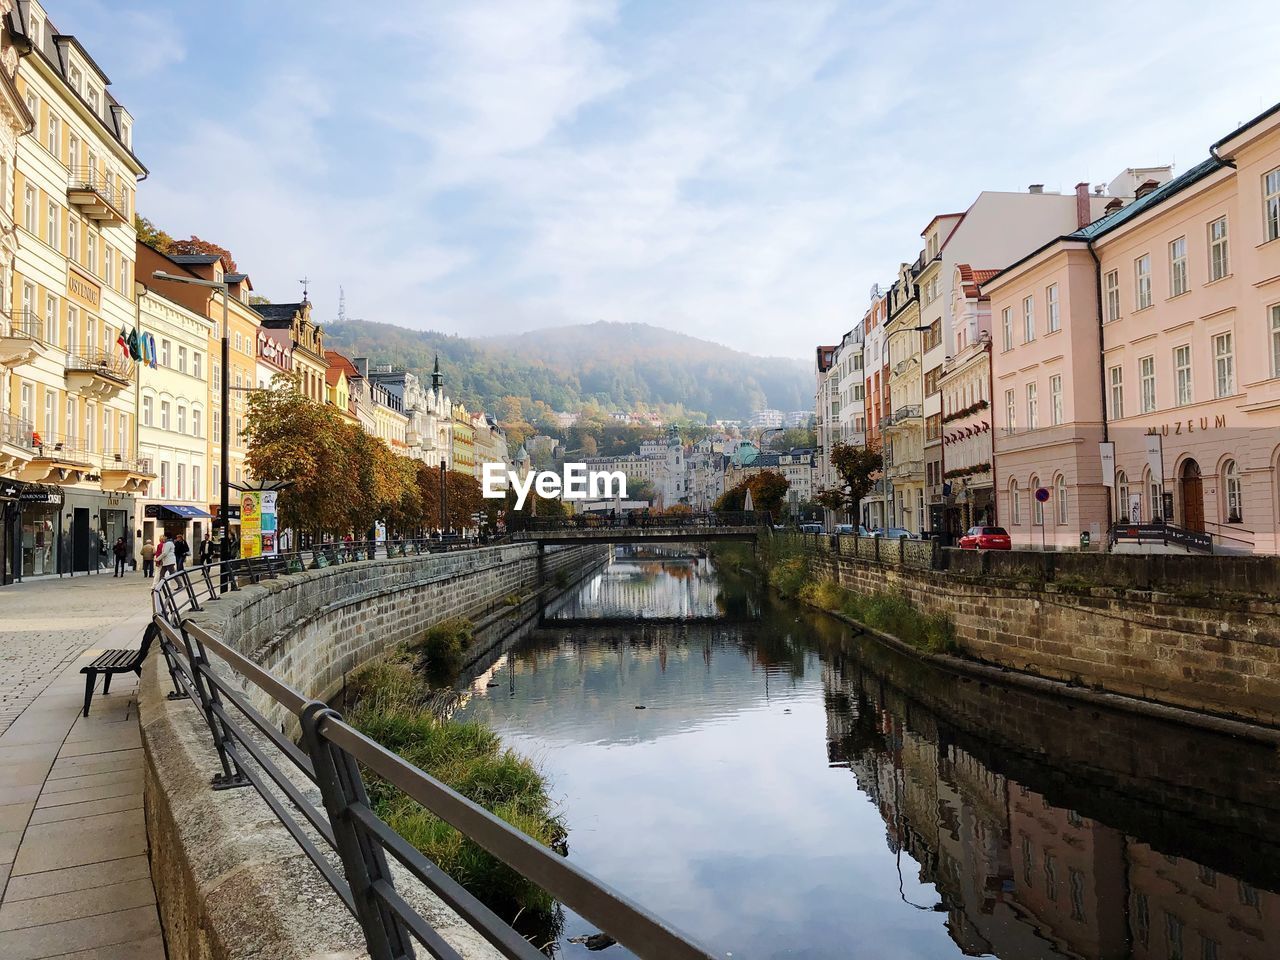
(75, 878)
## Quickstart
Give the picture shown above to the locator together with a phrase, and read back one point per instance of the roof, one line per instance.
(340, 362)
(278, 313)
(971, 280)
(235, 277)
(201, 258)
(1108, 222)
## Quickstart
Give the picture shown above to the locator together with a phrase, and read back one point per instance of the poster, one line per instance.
(267, 521)
(250, 524)
(1107, 451)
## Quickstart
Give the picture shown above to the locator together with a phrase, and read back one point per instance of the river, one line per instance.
(778, 785)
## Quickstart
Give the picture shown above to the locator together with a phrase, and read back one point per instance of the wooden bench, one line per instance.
(111, 662)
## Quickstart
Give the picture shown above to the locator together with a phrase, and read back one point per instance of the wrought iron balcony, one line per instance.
(16, 446)
(904, 415)
(98, 373)
(56, 459)
(123, 473)
(21, 338)
(96, 195)
(900, 469)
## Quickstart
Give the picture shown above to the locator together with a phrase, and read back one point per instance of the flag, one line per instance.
(142, 347)
(151, 349)
(123, 343)
(135, 352)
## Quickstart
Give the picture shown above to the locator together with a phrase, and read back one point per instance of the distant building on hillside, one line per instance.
(765, 419)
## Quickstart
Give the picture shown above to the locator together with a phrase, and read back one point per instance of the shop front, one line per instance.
(170, 519)
(91, 523)
(32, 529)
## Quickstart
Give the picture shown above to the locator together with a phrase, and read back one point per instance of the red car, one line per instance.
(986, 538)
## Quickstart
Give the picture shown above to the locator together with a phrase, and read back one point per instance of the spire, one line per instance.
(436, 379)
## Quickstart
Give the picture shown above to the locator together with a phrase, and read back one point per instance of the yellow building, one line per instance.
(463, 458)
(904, 426)
(68, 396)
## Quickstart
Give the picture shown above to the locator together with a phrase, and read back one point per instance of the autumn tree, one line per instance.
(854, 467)
(768, 490)
(195, 245)
(152, 235)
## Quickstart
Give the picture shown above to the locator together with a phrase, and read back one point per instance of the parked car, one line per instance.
(846, 529)
(894, 533)
(986, 538)
(810, 528)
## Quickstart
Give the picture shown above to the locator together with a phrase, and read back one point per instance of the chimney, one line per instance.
(1084, 214)
(1114, 204)
(1036, 188)
(1144, 188)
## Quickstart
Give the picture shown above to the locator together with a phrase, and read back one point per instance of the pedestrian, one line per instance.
(205, 554)
(166, 558)
(181, 550)
(121, 551)
(148, 559)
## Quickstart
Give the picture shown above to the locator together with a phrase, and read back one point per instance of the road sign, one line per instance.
(1042, 494)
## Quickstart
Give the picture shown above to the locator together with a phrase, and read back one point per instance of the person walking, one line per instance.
(148, 559)
(121, 551)
(181, 550)
(204, 552)
(166, 558)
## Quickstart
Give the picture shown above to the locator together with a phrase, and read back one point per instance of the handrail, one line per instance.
(330, 757)
(632, 519)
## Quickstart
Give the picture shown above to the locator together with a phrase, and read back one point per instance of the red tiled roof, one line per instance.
(339, 362)
(971, 280)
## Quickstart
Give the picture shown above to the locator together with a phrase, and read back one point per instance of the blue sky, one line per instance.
(739, 171)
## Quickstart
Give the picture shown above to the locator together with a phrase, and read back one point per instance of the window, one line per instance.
(94, 99)
(1111, 285)
(73, 239)
(88, 426)
(122, 427)
(1033, 406)
(1055, 398)
(1271, 204)
(216, 420)
(1182, 374)
(29, 208)
(1155, 498)
(73, 150)
(1122, 498)
(147, 410)
(1060, 497)
(70, 422)
(1224, 368)
(1117, 393)
(1147, 377)
(37, 31)
(1010, 411)
(239, 342)
(1075, 880)
(182, 359)
(108, 262)
(164, 414)
(164, 478)
(53, 135)
(50, 413)
(1051, 876)
(1219, 263)
(1231, 489)
(1006, 316)
(91, 249)
(1173, 936)
(1015, 503)
(1037, 508)
(195, 421)
(1275, 340)
(195, 482)
(195, 364)
(1178, 267)
(73, 324)
(165, 348)
(1051, 296)
(1142, 282)
(51, 224)
(24, 405)
(182, 419)
(51, 319)
(1028, 319)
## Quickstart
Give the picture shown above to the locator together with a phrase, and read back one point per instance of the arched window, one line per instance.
(1123, 513)
(1060, 497)
(1015, 503)
(1153, 495)
(1232, 491)
(1037, 508)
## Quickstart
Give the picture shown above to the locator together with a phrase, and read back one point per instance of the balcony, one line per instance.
(122, 473)
(21, 338)
(907, 415)
(905, 470)
(100, 374)
(95, 196)
(16, 443)
(57, 460)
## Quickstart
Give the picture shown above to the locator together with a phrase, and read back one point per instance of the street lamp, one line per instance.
(224, 508)
(884, 480)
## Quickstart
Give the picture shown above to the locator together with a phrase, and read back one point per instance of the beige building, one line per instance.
(903, 427)
(66, 285)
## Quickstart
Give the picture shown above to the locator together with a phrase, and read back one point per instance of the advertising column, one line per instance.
(251, 524)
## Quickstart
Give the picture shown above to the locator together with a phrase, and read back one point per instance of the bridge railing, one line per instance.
(316, 789)
(517, 523)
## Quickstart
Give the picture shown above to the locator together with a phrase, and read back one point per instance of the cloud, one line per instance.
(742, 172)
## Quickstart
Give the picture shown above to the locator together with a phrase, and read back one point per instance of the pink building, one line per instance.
(1161, 318)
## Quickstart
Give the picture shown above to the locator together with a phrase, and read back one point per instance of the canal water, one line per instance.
(778, 785)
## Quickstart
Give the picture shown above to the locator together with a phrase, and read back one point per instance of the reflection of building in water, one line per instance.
(632, 589)
(1178, 908)
(1020, 877)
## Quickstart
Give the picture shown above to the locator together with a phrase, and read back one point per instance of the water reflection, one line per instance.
(782, 796)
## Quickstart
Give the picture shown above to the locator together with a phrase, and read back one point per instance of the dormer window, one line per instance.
(95, 98)
(37, 31)
(126, 134)
(76, 79)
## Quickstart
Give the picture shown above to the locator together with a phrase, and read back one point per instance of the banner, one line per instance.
(267, 521)
(1107, 451)
(251, 524)
(1155, 457)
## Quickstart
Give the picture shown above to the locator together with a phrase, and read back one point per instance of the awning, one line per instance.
(183, 511)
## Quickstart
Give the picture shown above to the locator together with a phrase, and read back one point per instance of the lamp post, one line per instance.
(885, 479)
(225, 400)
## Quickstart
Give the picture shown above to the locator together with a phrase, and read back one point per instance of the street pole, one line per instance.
(444, 499)
(224, 508)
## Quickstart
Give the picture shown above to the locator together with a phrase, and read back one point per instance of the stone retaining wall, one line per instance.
(230, 882)
(1218, 653)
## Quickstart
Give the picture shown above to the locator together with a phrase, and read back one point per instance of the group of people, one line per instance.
(166, 556)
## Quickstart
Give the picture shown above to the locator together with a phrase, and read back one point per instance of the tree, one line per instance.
(152, 235)
(854, 466)
(589, 446)
(194, 244)
(768, 488)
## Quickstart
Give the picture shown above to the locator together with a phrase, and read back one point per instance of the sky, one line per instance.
(739, 171)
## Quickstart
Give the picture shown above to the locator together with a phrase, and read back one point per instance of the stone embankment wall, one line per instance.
(1200, 633)
(229, 879)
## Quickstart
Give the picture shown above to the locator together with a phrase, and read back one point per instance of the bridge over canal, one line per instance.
(639, 528)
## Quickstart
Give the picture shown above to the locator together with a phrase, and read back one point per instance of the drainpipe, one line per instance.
(1102, 366)
(991, 400)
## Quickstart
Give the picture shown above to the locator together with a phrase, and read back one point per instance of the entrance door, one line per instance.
(1192, 497)
(80, 539)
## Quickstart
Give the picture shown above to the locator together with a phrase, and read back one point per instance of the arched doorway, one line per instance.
(1192, 496)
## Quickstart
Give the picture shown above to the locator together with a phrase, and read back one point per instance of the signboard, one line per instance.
(83, 290)
(267, 520)
(1107, 451)
(1155, 457)
(1042, 494)
(251, 524)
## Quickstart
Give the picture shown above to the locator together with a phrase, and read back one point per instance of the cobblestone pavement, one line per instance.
(47, 623)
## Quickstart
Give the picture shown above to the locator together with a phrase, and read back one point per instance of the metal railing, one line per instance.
(903, 414)
(342, 835)
(27, 323)
(517, 523)
(104, 363)
(15, 430)
(90, 180)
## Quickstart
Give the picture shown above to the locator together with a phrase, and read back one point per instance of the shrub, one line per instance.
(444, 644)
(789, 576)
(889, 613)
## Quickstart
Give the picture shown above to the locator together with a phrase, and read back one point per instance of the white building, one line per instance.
(173, 424)
(766, 419)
